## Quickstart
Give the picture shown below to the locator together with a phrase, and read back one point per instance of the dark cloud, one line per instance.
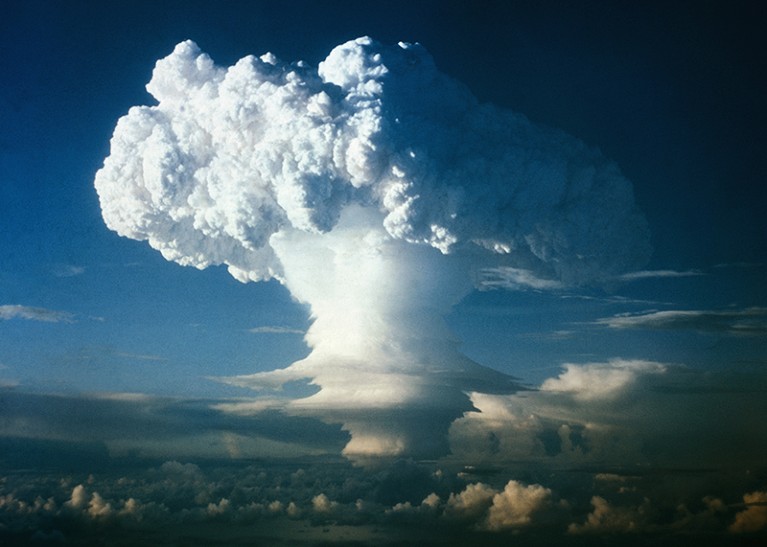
(328, 501)
(151, 427)
(625, 449)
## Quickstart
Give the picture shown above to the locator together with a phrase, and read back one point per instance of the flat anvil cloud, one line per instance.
(376, 189)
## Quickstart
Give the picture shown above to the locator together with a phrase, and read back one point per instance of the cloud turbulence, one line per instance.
(377, 190)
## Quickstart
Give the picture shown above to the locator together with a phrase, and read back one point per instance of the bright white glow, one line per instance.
(593, 381)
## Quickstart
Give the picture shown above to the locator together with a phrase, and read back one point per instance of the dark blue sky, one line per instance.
(674, 94)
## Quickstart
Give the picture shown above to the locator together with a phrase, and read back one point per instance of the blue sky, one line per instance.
(671, 96)
(101, 323)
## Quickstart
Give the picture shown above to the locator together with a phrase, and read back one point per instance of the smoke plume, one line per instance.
(377, 190)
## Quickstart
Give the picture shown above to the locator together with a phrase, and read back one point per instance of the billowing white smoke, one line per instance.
(373, 187)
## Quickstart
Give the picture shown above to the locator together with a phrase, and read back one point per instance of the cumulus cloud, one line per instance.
(487, 508)
(17, 311)
(78, 499)
(231, 156)
(328, 500)
(515, 506)
(322, 504)
(594, 381)
(743, 322)
(428, 508)
(379, 191)
(472, 502)
(754, 517)
(607, 518)
(617, 411)
(98, 507)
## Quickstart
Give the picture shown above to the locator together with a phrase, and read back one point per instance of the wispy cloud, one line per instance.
(275, 330)
(552, 335)
(123, 396)
(67, 270)
(145, 425)
(16, 311)
(657, 274)
(249, 407)
(612, 299)
(740, 265)
(140, 356)
(504, 277)
(748, 321)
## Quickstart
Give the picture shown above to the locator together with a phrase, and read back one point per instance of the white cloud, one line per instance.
(428, 507)
(514, 279)
(275, 330)
(472, 502)
(122, 396)
(140, 356)
(618, 411)
(16, 311)
(322, 504)
(196, 175)
(431, 502)
(516, 505)
(657, 274)
(747, 322)
(79, 498)
(371, 186)
(595, 381)
(250, 407)
(223, 507)
(292, 510)
(98, 507)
